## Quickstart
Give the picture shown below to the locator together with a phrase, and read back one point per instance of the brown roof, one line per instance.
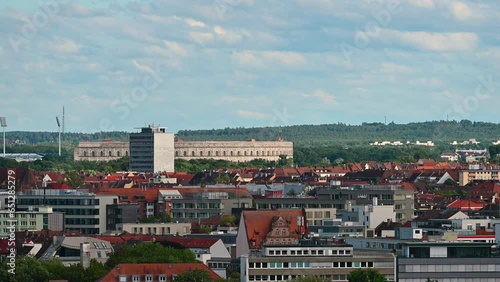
(155, 269)
(258, 223)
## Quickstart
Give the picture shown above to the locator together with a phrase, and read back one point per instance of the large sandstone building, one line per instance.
(236, 151)
(106, 150)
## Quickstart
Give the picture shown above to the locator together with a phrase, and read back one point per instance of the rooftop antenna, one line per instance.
(59, 126)
(3, 123)
(385, 119)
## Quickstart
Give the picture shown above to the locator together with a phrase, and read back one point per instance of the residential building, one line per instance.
(212, 252)
(260, 227)
(478, 172)
(83, 211)
(387, 195)
(161, 272)
(73, 250)
(42, 218)
(152, 150)
(172, 228)
(369, 216)
(200, 203)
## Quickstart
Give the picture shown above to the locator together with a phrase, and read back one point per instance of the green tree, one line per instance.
(228, 220)
(150, 252)
(195, 275)
(27, 269)
(365, 275)
(74, 179)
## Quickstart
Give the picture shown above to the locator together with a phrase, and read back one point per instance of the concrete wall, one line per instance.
(163, 152)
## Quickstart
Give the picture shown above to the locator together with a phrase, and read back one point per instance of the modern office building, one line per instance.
(83, 211)
(313, 258)
(152, 150)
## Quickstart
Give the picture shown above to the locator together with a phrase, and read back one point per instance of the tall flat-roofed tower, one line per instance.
(152, 150)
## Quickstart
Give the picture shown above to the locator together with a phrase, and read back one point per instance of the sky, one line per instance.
(201, 64)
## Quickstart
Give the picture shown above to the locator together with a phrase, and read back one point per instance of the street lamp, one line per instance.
(3, 123)
(59, 126)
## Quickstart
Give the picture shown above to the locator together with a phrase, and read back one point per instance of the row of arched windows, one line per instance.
(103, 154)
(228, 153)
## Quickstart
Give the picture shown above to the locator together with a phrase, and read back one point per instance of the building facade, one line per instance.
(83, 211)
(42, 219)
(235, 151)
(332, 262)
(387, 195)
(152, 150)
(178, 229)
(104, 151)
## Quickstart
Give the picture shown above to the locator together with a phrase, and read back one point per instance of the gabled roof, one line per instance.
(155, 269)
(258, 223)
(467, 205)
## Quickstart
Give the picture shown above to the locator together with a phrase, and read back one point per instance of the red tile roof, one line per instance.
(467, 204)
(155, 269)
(258, 223)
(197, 243)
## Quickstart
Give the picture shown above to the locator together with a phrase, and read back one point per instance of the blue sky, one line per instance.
(116, 65)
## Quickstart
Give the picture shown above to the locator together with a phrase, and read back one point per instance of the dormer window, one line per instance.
(136, 278)
(162, 278)
(149, 278)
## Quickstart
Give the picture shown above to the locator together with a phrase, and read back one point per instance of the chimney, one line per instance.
(85, 255)
(375, 201)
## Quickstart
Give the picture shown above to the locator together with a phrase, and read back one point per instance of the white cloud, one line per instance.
(201, 37)
(422, 3)
(461, 11)
(434, 41)
(175, 48)
(269, 58)
(447, 93)
(62, 46)
(228, 37)
(143, 68)
(232, 99)
(322, 97)
(392, 68)
(251, 114)
(194, 23)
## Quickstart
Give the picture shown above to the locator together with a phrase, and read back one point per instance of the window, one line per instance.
(136, 278)
(149, 278)
(192, 153)
(110, 153)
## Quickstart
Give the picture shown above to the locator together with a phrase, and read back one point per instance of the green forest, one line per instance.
(441, 132)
